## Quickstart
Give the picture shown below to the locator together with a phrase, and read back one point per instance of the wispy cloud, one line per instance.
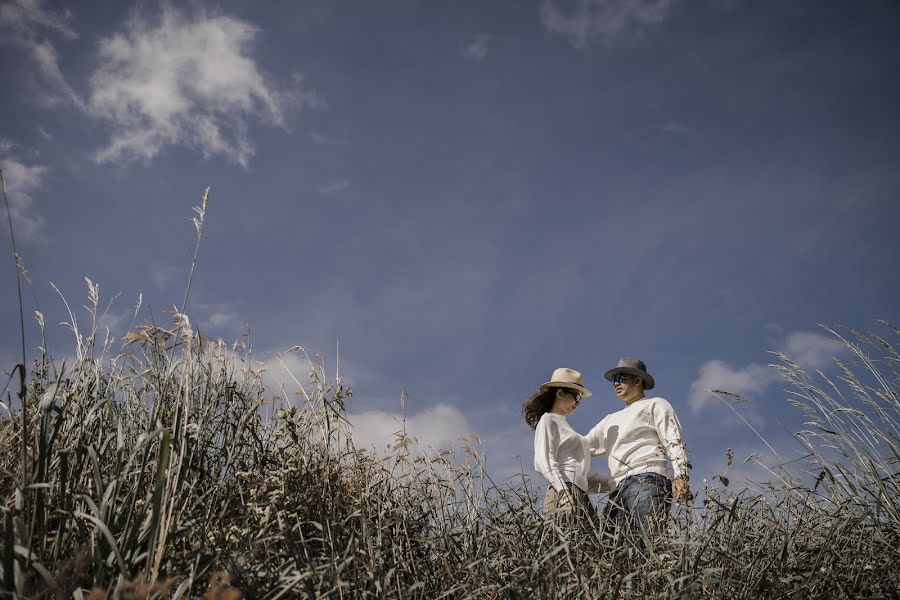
(330, 140)
(219, 319)
(177, 80)
(114, 321)
(334, 187)
(22, 181)
(476, 47)
(164, 275)
(27, 24)
(602, 19)
(674, 128)
(810, 350)
(714, 375)
(222, 319)
(24, 16)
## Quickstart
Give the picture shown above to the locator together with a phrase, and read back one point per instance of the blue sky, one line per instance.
(468, 195)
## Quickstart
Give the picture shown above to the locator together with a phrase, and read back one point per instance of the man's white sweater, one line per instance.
(637, 439)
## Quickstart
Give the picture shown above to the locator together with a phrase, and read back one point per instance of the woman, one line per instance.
(561, 454)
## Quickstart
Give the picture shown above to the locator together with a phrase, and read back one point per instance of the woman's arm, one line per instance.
(546, 446)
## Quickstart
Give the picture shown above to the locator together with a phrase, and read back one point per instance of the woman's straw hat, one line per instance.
(567, 378)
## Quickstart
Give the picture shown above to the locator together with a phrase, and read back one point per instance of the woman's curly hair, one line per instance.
(537, 404)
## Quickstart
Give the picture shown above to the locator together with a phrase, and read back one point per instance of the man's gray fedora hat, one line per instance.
(567, 378)
(632, 366)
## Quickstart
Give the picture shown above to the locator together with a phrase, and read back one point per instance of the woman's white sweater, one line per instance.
(562, 456)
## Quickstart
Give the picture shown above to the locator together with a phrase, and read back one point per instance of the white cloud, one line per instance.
(476, 47)
(812, 350)
(222, 319)
(21, 182)
(603, 19)
(719, 375)
(438, 426)
(185, 81)
(335, 187)
(25, 23)
(288, 372)
(21, 176)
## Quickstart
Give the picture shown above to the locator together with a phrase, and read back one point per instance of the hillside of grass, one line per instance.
(168, 466)
(160, 465)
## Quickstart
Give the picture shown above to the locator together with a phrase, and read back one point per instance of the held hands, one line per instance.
(598, 482)
(681, 491)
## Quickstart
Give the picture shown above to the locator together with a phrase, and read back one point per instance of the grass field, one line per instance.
(161, 466)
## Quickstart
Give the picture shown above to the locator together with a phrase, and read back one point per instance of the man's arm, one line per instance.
(668, 428)
(596, 440)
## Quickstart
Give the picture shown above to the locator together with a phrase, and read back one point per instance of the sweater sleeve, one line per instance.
(596, 440)
(546, 445)
(668, 428)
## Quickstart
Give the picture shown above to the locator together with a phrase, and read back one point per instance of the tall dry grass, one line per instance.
(162, 466)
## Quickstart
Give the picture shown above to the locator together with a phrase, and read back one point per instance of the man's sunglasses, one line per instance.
(620, 379)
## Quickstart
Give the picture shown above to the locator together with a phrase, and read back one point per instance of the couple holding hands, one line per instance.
(636, 441)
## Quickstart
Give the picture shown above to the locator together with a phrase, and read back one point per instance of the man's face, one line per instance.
(628, 387)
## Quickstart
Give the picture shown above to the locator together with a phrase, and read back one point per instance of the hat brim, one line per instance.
(648, 379)
(566, 384)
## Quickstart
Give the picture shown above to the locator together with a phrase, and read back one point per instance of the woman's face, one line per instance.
(566, 401)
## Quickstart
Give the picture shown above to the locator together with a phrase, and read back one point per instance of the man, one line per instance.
(636, 441)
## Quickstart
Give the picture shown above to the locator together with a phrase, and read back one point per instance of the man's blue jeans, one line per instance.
(641, 500)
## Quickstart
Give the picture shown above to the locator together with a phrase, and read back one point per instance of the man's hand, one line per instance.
(681, 491)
